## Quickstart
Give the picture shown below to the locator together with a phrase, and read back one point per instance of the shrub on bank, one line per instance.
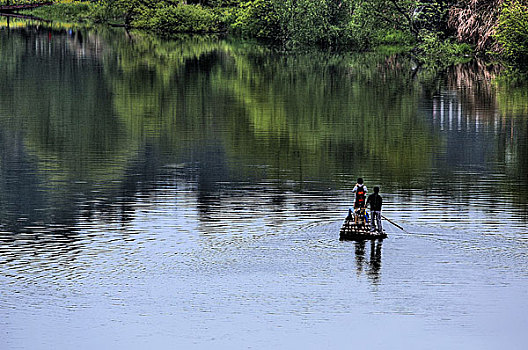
(69, 11)
(293, 23)
(512, 31)
(258, 19)
(436, 52)
(172, 19)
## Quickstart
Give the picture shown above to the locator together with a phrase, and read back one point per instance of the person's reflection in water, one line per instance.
(374, 263)
(360, 256)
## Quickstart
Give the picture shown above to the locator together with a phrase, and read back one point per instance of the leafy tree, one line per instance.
(129, 9)
(295, 22)
(258, 18)
(512, 31)
(320, 22)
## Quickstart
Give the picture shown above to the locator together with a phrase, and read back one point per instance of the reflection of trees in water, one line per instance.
(475, 75)
(63, 106)
(480, 90)
(473, 83)
(328, 110)
(217, 104)
(486, 126)
(56, 100)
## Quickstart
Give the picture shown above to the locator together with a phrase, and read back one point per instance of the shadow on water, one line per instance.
(370, 264)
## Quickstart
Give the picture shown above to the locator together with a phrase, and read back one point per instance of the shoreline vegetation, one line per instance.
(438, 32)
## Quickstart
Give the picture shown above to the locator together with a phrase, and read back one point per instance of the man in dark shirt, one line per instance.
(375, 202)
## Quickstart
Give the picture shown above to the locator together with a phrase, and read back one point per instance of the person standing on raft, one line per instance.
(360, 190)
(375, 202)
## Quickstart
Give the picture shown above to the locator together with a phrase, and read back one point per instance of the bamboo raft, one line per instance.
(356, 228)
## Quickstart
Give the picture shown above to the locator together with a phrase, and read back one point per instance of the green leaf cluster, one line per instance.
(258, 18)
(171, 19)
(159, 16)
(294, 23)
(436, 53)
(316, 22)
(71, 11)
(512, 31)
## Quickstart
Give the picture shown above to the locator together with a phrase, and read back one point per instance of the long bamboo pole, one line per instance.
(392, 222)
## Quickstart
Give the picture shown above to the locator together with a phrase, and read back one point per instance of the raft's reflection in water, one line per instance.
(373, 266)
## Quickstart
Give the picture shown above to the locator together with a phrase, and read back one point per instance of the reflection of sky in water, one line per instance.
(164, 286)
(145, 238)
(161, 279)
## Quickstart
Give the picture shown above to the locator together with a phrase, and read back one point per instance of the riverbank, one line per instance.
(166, 20)
(437, 35)
(66, 11)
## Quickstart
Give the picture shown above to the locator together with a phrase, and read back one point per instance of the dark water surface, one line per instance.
(189, 194)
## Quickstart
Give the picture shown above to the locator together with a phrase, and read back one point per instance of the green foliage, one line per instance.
(294, 22)
(437, 53)
(258, 18)
(382, 22)
(21, 2)
(512, 31)
(159, 16)
(512, 77)
(428, 16)
(74, 11)
(314, 22)
(172, 19)
(371, 16)
(103, 13)
(224, 3)
(128, 10)
(393, 37)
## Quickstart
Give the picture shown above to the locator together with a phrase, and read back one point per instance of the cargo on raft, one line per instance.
(357, 227)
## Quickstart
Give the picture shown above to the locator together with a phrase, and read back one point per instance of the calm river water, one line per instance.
(188, 194)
